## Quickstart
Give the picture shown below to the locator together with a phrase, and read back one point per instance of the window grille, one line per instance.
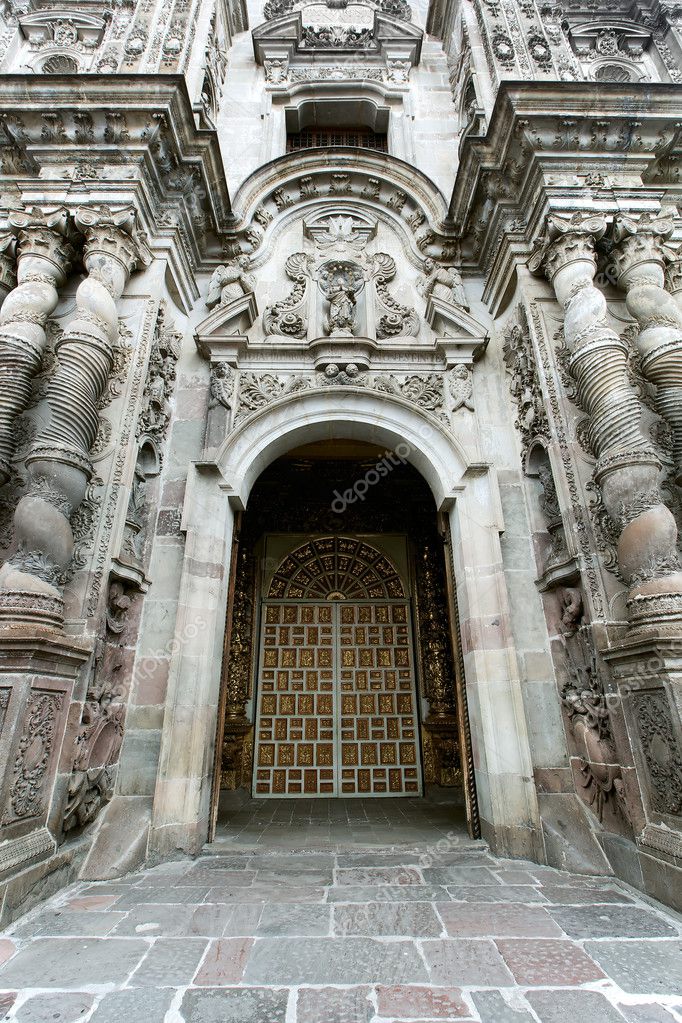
(359, 138)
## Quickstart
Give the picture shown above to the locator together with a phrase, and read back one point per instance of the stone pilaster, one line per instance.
(44, 258)
(628, 471)
(59, 462)
(640, 256)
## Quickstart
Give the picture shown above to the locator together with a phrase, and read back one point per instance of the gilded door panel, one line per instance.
(378, 713)
(295, 712)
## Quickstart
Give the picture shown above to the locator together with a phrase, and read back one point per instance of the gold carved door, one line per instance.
(336, 694)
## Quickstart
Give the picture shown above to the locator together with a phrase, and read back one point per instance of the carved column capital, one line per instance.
(8, 254)
(113, 246)
(45, 237)
(640, 251)
(568, 245)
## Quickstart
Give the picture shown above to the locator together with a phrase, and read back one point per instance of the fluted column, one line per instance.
(640, 256)
(44, 258)
(628, 470)
(59, 462)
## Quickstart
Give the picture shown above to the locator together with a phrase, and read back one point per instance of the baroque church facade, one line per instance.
(340, 424)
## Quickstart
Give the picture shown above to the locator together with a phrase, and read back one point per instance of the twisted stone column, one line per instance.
(59, 463)
(8, 258)
(640, 256)
(44, 258)
(628, 470)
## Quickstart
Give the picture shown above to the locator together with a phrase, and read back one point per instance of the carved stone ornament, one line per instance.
(112, 249)
(31, 763)
(640, 255)
(229, 282)
(288, 317)
(443, 282)
(627, 469)
(531, 421)
(661, 749)
(392, 318)
(340, 282)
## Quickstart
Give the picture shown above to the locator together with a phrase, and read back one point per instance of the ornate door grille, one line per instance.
(336, 702)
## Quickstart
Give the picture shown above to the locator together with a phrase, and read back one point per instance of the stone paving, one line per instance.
(266, 936)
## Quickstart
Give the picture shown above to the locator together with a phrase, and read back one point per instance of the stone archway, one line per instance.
(466, 494)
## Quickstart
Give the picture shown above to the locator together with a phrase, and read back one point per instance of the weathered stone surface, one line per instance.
(349, 1005)
(333, 961)
(537, 962)
(493, 1008)
(234, 1005)
(470, 920)
(470, 962)
(67, 1008)
(559, 1006)
(170, 962)
(411, 919)
(64, 963)
(291, 919)
(606, 921)
(639, 966)
(224, 962)
(148, 1004)
(412, 1002)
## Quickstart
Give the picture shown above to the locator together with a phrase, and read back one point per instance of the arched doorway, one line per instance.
(336, 700)
(467, 499)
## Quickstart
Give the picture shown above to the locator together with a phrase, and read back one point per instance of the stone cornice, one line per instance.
(558, 146)
(131, 139)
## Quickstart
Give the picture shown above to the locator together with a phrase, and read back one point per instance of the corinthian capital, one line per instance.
(111, 239)
(43, 236)
(567, 240)
(8, 253)
(640, 244)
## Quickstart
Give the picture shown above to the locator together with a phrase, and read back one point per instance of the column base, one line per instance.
(660, 611)
(26, 607)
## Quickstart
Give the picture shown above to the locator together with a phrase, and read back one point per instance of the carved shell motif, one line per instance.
(288, 316)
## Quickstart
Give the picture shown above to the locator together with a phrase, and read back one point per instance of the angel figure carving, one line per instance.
(444, 282)
(230, 281)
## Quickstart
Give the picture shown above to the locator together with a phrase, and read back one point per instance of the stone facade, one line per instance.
(228, 230)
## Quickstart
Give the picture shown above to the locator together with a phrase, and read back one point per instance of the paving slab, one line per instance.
(334, 1005)
(640, 967)
(413, 919)
(492, 1007)
(170, 962)
(466, 962)
(334, 961)
(548, 962)
(469, 920)
(606, 921)
(293, 920)
(68, 962)
(413, 1002)
(148, 1005)
(235, 1005)
(224, 962)
(564, 1006)
(62, 1007)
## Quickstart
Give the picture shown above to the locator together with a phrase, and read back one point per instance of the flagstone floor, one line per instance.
(256, 934)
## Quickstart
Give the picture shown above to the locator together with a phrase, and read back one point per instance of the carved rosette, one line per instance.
(627, 470)
(44, 258)
(60, 454)
(640, 255)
